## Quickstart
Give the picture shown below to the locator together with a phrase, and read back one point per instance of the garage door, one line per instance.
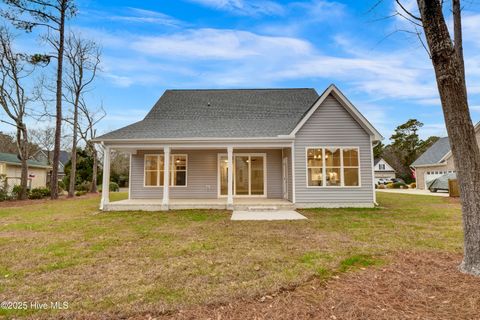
(431, 175)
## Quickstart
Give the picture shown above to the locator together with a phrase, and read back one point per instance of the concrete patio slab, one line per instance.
(267, 215)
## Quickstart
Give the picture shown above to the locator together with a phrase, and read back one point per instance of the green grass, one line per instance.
(131, 262)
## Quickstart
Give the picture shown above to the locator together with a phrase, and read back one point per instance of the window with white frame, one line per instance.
(381, 166)
(154, 170)
(333, 167)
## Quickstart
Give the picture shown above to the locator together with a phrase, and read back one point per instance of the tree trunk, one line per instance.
(93, 188)
(58, 107)
(22, 146)
(461, 132)
(73, 171)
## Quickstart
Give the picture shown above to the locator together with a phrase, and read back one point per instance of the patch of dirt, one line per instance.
(22, 203)
(416, 286)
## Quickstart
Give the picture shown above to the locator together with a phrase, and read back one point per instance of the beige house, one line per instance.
(436, 161)
(10, 168)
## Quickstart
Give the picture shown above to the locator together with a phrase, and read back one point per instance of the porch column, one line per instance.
(106, 178)
(166, 177)
(230, 178)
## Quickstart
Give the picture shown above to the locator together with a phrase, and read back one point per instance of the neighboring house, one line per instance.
(11, 168)
(436, 161)
(47, 157)
(228, 148)
(383, 170)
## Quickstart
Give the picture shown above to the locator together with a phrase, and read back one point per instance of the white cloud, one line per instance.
(244, 7)
(147, 16)
(220, 44)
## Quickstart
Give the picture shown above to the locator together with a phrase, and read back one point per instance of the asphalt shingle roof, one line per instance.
(434, 154)
(13, 159)
(220, 113)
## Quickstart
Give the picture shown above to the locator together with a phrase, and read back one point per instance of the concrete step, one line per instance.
(277, 207)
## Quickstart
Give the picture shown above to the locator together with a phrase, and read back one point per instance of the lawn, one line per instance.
(130, 263)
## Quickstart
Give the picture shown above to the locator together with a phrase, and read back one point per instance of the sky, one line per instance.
(149, 46)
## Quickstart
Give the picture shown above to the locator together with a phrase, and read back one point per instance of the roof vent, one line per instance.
(209, 104)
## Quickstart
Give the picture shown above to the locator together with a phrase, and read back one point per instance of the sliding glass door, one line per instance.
(248, 175)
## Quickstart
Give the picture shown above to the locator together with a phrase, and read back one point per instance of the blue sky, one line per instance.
(149, 46)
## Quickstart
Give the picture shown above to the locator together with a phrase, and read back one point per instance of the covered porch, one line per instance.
(205, 176)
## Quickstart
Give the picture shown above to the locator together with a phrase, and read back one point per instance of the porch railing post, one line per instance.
(166, 177)
(106, 178)
(230, 178)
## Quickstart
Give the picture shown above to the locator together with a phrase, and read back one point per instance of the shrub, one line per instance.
(399, 185)
(39, 193)
(84, 186)
(114, 187)
(389, 185)
(413, 185)
(381, 186)
(16, 191)
(61, 186)
(80, 193)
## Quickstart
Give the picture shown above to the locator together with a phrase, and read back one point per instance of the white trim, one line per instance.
(285, 181)
(294, 187)
(342, 168)
(166, 177)
(105, 178)
(373, 173)
(201, 139)
(234, 155)
(429, 165)
(347, 105)
(130, 178)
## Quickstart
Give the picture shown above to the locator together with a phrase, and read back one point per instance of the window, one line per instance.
(3, 168)
(315, 167)
(351, 167)
(154, 170)
(178, 170)
(381, 166)
(333, 167)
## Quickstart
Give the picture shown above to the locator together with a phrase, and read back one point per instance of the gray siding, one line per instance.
(202, 175)
(332, 125)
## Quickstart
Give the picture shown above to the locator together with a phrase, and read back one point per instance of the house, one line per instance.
(11, 169)
(383, 170)
(47, 157)
(246, 147)
(436, 161)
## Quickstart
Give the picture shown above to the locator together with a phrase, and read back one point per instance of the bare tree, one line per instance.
(448, 62)
(45, 139)
(83, 58)
(49, 14)
(14, 69)
(88, 133)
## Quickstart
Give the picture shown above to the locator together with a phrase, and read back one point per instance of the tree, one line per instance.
(14, 69)
(406, 141)
(448, 63)
(45, 139)
(49, 14)
(88, 133)
(83, 58)
(7, 143)
(378, 150)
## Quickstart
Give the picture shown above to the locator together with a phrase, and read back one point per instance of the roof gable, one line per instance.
(349, 107)
(435, 154)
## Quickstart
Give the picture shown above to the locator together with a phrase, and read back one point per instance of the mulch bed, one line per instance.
(415, 286)
(22, 203)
